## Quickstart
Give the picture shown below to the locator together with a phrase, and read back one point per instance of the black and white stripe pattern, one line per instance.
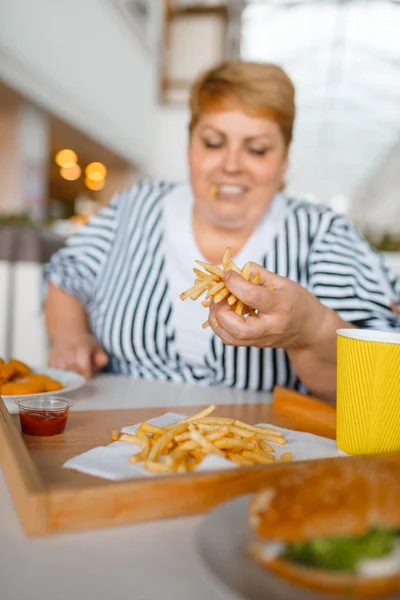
(115, 266)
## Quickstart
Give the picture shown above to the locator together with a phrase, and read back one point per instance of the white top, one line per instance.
(181, 254)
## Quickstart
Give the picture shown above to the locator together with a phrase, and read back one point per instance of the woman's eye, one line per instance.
(259, 151)
(212, 143)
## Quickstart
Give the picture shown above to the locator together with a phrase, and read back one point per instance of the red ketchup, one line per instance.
(43, 422)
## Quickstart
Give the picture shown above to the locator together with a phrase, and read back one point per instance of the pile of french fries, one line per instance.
(212, 281)
(181, 447)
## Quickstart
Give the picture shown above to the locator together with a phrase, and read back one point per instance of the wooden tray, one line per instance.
(50, 499)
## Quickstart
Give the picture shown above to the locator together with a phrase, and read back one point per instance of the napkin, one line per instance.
(112, 461)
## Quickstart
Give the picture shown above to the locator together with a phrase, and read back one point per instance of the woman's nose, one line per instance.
(232, 161)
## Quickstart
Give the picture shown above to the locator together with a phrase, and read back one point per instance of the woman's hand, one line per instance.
(82, 354)
(289, 316)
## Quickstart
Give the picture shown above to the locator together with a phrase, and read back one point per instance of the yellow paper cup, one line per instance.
(368, 391)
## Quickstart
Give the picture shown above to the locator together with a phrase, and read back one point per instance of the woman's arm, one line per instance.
(315, 363)
(66, 318)
(72, 344)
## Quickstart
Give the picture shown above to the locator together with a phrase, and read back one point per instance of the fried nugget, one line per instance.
(38, 377)
(6, 371)
(20, 368)
(22, 387)
(51, 385)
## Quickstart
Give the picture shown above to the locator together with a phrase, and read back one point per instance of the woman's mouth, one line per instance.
(227, 191)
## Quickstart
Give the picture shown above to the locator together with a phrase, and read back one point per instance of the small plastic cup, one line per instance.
(43, 415)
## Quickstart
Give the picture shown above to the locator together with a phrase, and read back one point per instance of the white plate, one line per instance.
(223, 537)
(70, 381)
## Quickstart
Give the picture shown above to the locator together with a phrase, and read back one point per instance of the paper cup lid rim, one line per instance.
(370, 335)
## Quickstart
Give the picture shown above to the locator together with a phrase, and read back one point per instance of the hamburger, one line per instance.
(332, 525)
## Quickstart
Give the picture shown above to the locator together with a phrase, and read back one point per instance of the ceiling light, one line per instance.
(96, 171)
(65, 156)
(70, 172)
(94, 185)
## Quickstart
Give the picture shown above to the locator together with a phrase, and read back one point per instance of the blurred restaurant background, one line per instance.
(93, 98)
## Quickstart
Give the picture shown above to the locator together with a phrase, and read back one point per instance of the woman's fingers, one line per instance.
(255, 296)
(84, 360)
(100, 359)
(231, 328)
(85, 356)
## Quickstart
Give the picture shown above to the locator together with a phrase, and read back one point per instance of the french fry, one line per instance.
(156, 467)
(144, 444)
(286, 457)
(258, 457)
(226, 259)
(258, 428)
(233, 444)
(182, 437)
(136, 458)
(213, 269)
(221, 295)
(188, 444)
(241, 431)
(207, 276)
(164, 440)
(239, 459)
(256, 278)
(265, 446)
(204, 442)
(217, 435)
(275, 440)
(231, 300)
(213, 420)
(197, 417)
(180, 447)
(131, 438)
(239, 308)
(212, 281)
(234, 267)
(246, 271)
(198, 454)
(149, 428)
(216, 288)
(197, 294)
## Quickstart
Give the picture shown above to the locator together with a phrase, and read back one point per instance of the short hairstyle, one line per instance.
(258, 89)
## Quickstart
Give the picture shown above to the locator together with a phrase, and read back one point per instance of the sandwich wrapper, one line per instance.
(112, 461)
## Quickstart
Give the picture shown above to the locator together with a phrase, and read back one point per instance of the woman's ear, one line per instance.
(285, 167)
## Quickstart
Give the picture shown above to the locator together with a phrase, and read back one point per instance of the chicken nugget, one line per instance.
(38, 377)
(21, 387)
(20, 368)
(6, 372)
(53, 385)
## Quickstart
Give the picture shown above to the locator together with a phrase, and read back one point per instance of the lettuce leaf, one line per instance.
(342, 553)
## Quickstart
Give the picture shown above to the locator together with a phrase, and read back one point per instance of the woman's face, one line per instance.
(237, 164)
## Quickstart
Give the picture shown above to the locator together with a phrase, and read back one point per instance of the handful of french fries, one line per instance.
(180, 447)
(211, 280)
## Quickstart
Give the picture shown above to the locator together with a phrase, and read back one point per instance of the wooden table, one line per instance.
(157, 559)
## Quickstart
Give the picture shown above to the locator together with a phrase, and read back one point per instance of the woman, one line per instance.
(113, 296)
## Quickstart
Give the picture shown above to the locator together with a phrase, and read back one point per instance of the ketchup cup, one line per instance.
(43, 415)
